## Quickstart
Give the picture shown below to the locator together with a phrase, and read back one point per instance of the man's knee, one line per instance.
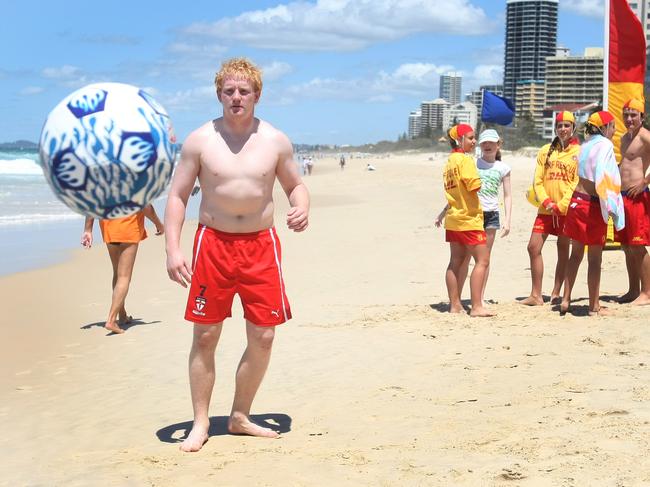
(263, 337)
(206, 337)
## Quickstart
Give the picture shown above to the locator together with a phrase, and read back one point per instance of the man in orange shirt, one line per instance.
(122, 236)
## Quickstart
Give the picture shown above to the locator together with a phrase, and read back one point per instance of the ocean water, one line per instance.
(36, 229)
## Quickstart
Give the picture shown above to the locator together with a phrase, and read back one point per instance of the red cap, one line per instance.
(600, 119)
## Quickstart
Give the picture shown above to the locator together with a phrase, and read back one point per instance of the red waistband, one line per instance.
(238, 236)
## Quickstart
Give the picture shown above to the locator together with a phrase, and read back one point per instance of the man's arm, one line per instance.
(185, 175)
(294, 188)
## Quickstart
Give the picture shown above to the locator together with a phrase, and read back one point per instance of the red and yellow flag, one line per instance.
(626, 65)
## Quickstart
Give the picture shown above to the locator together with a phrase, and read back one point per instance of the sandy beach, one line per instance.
(372, 382)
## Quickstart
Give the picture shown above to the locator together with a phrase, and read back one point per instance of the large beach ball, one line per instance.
(107, 150)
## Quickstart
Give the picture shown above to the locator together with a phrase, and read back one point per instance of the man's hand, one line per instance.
(637, 189)
(177, 269)
(160, 229)
(87, 239)
(297, 219)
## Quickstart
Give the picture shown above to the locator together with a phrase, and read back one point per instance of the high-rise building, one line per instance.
(574, 79)
(415, 124)
(531, 37)
(530, 99)
(460, 113)
(431, 113)
(476, 97)
(451, 87)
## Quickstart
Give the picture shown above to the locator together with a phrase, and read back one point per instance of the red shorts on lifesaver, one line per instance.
(584, 221)
(467, 237)
(248, 264)
(637, 220)
(549, 224)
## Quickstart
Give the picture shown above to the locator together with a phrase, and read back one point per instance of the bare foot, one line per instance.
(642, 300)
(127, 320)
(456, 309)
(601, 311)
(532, 301)
(565, 306)
(481, 312)
(196, 439)
(628, 297)
(242, 425)
(114, 327)
(556, 300)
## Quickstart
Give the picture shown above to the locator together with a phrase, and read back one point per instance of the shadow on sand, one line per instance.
(176, 433)
(125, 326)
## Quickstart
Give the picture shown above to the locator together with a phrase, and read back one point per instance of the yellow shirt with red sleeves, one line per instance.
(558, 178)
(462, 183)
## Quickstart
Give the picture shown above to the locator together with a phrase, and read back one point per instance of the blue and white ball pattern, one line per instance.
(107, 150)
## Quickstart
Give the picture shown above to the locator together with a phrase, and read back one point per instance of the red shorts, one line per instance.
(637, 220)
(248, 264)
(584, 221)
(466, 237)
(549, 224)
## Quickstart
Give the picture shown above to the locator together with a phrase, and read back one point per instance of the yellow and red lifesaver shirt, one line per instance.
(462, 183)
(129, 229)
(557, 179)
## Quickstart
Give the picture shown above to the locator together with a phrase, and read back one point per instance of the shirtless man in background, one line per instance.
(635, 151)
(236, 159)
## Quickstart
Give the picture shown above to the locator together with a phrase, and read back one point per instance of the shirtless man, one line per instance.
(236, 159)
(635, 150)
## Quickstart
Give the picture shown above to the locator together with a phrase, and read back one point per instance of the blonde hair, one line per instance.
(239, 68)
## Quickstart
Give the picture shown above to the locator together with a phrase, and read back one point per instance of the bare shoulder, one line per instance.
(274, 136)
(644, 135)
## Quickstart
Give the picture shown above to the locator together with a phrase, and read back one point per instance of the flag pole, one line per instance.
(606, 58)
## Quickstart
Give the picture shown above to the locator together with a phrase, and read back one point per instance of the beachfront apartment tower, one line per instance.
(415, 125)
(451, 85)
(476, 96)
(531, 37)
(530, 99)
(431, 113)
(464, 112)
(574, 79)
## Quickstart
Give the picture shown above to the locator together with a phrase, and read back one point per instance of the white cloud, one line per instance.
(335, 25)
(483, 74)
(275, 70)
(65, 72)
(189, 100)
(411, 79)
(31, 90)
(588, 8)
(198, 49)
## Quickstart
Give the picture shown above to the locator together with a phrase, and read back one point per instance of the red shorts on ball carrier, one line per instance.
(248, 264)
(584, 221)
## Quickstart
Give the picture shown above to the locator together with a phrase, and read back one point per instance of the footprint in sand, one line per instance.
(24, 388)
(23, 372)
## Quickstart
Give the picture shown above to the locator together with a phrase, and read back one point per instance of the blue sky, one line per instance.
(335, 71)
